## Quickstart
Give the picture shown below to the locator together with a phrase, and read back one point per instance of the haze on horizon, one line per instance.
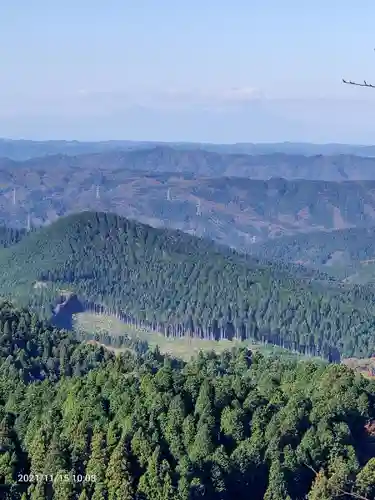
(200, 72)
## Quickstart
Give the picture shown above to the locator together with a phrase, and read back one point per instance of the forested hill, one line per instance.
(342, 249)
(346, 254)
(77, 423)
(182, 285)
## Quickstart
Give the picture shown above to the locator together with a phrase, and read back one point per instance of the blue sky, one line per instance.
(216, 71)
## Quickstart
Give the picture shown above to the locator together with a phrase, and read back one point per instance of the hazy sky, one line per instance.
(219, 71)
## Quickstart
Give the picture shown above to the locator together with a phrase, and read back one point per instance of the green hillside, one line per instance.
(181, 285)
(345, 252)
(77, 422)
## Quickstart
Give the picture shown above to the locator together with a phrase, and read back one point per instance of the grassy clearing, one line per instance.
(183, 348)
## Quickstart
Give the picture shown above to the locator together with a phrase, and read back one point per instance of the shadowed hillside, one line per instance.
(346, 253)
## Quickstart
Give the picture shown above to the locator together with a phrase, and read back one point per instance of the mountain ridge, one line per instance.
(201, 162)
(21, 149)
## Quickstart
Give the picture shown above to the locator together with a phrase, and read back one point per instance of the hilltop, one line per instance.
(182, 285)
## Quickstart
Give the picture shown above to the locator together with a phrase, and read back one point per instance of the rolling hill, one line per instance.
(182, 285)
(345, 253)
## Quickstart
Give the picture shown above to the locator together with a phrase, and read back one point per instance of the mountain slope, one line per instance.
(182, 285)
(342, 252)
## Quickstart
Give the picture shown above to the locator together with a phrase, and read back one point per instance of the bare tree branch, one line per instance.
(354, 495)
(339, 490)
(364, 84)
(357, 84)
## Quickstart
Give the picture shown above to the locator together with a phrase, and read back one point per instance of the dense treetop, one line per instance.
(88, 425)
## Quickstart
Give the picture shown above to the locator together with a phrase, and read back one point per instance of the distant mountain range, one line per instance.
(203, 163)
(233, 210)
(239, 200)
(26, 149)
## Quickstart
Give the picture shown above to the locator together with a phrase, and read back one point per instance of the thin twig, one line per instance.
(357, 84)
(354, 495)
(364, 84)
(339, 490)
(311, 468)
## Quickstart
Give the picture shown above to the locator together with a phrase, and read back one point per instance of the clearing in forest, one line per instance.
(184, 347)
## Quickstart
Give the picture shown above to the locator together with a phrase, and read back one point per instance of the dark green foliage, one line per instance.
(31, 349)
(145, 427)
